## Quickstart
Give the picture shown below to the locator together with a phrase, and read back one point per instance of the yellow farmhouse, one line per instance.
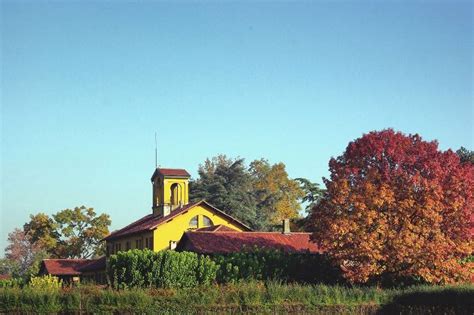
(172, 216)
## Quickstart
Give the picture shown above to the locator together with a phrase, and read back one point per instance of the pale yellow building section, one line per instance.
(173, 229)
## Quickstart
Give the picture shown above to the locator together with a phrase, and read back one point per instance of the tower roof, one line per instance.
(171, 172)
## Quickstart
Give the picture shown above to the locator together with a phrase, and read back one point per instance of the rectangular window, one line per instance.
(146, 242)
(136, 244)
(127, 245)
(141, 244)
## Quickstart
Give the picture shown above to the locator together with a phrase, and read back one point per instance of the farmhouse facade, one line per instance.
(172, 216)
(175, 223)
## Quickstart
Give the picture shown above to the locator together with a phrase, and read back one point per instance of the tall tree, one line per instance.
(260, 195)
(225, 183)
(312, 193)
(81, 232)
(397, 206)
(277, 195)
(42, 231)
(465, 155)
(22, 254)
(70, 233)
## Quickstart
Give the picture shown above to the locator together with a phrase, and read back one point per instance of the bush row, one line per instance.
(250, 296)
(171, 269)
(165, 269)
(272, 264)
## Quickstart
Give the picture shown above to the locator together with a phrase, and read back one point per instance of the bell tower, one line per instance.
(170, 190)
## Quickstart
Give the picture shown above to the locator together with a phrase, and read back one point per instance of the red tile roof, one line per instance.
(71, 267)
(151, 221)
(171, 172)
(63, 267)
(94, 265)
(229, 242)
(216, 228)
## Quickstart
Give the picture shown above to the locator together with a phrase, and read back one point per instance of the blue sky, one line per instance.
(86, 85)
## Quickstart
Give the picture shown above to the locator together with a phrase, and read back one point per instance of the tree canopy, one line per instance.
(70, 233)
(397, 206)
(466, 156)
(260, 194)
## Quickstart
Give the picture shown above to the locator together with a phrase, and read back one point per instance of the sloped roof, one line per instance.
(64, 267)
(206, 242)
(72, 267)
(151, 221)
(171, 172)
(216, 228)
(94, 265)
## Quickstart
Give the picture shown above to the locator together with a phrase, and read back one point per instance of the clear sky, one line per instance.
(86, 85)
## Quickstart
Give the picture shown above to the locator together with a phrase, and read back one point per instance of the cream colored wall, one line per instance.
(174, 229)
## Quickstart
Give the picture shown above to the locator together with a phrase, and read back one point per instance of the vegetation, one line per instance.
(271, 264)
(70, 233)
(250, 296)
(165, 269)
(260, 194)
(47, 282)
(466, 156)
(396, 207)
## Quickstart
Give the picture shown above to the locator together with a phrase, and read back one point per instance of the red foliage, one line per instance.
(397, 205)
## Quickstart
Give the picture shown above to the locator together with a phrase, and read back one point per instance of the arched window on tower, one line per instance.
(175, 194)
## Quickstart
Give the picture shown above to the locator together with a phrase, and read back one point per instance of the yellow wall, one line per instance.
(174, 229)
(162, 191)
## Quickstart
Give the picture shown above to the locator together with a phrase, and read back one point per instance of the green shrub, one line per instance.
(272, 264)
(165, 269)
(47, 282)
(11, 283)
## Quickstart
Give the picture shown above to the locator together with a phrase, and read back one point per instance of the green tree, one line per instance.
(312, 193)
(260, 195)
(81, 232)
(226, 184)
(70, 233)
(465, 155)
(42, 231)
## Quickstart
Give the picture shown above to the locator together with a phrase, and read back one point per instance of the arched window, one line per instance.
(193, 223)
(174, 194)
(206, 221)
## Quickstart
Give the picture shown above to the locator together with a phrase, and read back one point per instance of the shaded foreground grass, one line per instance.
(254, 297)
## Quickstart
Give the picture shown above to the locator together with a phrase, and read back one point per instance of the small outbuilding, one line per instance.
(75, 270)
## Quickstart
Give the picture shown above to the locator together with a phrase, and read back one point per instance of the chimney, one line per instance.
(173, 244)
(286, 226)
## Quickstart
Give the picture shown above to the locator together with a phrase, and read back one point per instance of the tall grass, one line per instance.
(251, 296)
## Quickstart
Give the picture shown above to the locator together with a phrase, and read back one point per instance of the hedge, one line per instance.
(165, 269)
(272, 264)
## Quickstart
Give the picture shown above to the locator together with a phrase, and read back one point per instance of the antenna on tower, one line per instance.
(156, 152)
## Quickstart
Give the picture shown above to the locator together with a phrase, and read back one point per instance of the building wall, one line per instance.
(136, 241)
(162, 190)
(174, 229)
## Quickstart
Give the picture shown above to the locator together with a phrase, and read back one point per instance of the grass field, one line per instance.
(251, 297)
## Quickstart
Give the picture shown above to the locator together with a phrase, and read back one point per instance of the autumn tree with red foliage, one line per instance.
(396, 206)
